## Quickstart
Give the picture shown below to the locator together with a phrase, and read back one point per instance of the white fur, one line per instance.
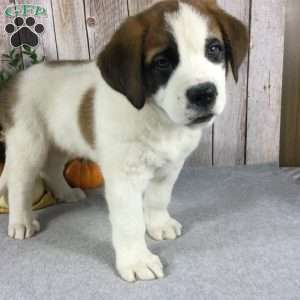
(140, 152)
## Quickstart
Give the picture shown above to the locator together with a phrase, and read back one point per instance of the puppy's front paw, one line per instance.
(167, 230)
(23, 231)
(146, 267)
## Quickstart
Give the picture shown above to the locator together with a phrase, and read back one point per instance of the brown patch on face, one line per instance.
(156, 41)
(8, 100)
(151, 53)
(86, 117)
(215, 30)
(60, 63)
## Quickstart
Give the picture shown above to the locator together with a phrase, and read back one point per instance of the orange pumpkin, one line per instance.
(84, 174)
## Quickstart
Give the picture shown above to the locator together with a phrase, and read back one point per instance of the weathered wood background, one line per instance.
(249, 130)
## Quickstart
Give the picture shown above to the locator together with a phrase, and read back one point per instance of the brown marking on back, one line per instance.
(8, 100)
(86, 117)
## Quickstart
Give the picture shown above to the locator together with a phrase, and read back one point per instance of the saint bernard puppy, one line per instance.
(138, 110)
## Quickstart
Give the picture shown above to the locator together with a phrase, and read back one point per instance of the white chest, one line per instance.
(170, 147)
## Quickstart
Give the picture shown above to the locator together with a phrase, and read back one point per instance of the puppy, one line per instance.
(138, 110)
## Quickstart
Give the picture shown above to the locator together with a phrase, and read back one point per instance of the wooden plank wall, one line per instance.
(249, 130)
(265, 81)
(4, 43)
(229, 140)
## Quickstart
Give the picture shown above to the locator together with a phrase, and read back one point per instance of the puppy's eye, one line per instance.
(162, 63)
(214, 50)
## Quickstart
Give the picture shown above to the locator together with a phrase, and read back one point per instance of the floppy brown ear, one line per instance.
(236, 40)
(121, 62)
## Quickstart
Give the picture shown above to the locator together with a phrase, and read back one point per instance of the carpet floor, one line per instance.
(241, 241)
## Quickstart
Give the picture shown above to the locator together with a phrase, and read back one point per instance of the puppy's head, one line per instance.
(176, 55)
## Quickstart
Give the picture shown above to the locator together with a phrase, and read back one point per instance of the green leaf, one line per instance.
(27, 48)
(26, 53)
(33, 56)
(4, 76)
(14, 61)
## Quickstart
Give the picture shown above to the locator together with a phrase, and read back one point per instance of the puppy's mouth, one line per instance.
(203, 119)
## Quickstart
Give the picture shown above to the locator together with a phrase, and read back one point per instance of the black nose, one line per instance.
(202, 95)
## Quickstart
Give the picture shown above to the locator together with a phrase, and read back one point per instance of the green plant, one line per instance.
(31, 53)
(14, 61)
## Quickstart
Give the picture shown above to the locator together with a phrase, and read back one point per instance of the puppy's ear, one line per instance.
(121, 62)
(236, 38)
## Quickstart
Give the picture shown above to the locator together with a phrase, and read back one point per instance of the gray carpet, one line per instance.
(241, 241)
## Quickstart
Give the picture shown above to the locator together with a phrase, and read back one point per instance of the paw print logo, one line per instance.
(24, 32)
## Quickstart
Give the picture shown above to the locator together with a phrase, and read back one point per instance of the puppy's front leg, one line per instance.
(133, 258)
(160, 225)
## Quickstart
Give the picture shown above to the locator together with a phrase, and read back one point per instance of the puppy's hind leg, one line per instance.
(53, 174)
(3, 180)
(26, 153)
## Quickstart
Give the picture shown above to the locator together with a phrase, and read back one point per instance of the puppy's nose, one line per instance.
(202, 95)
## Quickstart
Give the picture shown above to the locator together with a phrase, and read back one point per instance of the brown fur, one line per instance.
(8, 100)
(86, 117)
(236, 39)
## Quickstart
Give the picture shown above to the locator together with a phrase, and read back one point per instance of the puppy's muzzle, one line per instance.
(202, 99)
(202, 96)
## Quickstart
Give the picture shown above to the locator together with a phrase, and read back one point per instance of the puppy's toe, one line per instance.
(169, 230)
(145, 268)
(23, 231)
